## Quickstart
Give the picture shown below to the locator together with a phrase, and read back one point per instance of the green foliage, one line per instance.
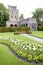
(4, 15)
(37, 15)
(36, 58)
(41, 57)
(14, 29)
(29, 56)
(40, 28)
(21, 17)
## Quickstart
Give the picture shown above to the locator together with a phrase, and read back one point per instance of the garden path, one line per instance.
(32, 37)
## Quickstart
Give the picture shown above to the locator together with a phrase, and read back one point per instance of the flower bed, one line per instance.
(29, 51)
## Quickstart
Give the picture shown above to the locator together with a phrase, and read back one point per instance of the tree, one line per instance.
(37, 14)
(4, 15)
(21, 17)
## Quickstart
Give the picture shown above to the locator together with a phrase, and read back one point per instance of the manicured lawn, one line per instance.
(37, 34)
(7, 58)
(23, 46)
(19, 37)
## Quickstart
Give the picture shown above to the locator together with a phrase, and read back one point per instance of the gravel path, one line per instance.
(32, 37)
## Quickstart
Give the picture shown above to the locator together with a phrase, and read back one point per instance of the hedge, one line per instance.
(40, 28)
(14, 29)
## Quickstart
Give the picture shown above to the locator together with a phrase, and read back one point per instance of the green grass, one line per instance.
(37, 34)
(7, 58)
(19, 37)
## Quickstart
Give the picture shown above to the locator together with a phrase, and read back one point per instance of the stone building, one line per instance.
(14, 14)
(14, 19)
(29, 22)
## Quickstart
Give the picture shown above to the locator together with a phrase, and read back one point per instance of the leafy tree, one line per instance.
(4, 15)
(37, 14)
(21, 17)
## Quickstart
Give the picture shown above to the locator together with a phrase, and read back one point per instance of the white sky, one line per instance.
(25, 6)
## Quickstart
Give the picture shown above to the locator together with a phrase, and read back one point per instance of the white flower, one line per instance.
(39, 46)
(30, 44)
(40, 49)
(15, 41)
(12, 40)
(34, 48)
(25, 48)
(29, 47)
(21, 45)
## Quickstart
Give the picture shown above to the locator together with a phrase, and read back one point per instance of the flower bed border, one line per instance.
(19, 57)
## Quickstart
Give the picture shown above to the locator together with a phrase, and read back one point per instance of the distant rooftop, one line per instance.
(12, 6)
(27, 19)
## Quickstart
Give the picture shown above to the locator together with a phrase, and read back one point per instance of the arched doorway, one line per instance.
(26, 24)
(11, 25)
(15, 25)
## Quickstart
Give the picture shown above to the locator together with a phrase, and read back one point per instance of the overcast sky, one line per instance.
(25, 6)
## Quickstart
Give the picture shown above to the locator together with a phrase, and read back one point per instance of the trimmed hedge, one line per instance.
(14, 29)
(40, 28)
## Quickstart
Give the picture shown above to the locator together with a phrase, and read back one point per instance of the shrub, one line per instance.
(40, 28)
(25, 28)
(14, 29)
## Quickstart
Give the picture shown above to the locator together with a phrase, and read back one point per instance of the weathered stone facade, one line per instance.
(14, 19)
(29, 22)
(14, 14)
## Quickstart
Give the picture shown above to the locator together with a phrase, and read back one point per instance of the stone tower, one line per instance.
(14, 14)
